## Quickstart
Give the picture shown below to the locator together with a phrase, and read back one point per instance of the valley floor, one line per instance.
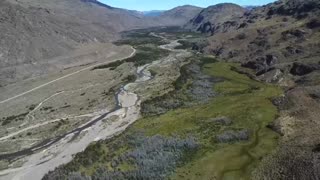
(164, 112)
(211, 125)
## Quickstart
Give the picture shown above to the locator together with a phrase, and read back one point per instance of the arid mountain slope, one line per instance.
(179, 16)
(34, 32)
(210, 19)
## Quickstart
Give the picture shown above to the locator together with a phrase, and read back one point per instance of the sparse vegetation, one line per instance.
(46, 108)
(241, 36)
(32, 107)
(130, 78)
(9, 119)
(112, 65)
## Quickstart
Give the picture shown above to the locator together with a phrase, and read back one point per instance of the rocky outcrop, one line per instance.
(296, 8)
(299, 69)
(267, 39)
(262, 64)
(217, 18)
(233, 136)
(315, 95)
(294, 33)
(313, 23)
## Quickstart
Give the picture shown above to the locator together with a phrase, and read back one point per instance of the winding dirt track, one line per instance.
(63, 77)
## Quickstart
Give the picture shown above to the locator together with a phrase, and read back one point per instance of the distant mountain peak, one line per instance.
(153, 13)
(187, 6)
(181, 14)
(224, 6)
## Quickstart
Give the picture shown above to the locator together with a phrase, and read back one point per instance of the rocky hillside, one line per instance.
(280, 43)
(179, 16)
(217, 18)
(283, 35)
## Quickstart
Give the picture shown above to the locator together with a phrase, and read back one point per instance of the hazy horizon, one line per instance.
(148, 5)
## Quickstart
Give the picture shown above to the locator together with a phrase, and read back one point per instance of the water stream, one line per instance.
(51, 153)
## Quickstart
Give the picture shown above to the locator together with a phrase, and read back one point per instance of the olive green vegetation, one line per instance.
(138, 38)
(180, 33)
(173, 32)
(246, 102)
(99, 155)
(9, 119)
(144, 55)
(146, 47)
(147, 55)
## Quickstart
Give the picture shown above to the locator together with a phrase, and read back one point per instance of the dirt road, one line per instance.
(62, 151)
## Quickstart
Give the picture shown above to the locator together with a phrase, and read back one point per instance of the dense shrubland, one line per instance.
(192, 87)
(145, 157)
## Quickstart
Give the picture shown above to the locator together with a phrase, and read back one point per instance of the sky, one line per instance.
(146, 5)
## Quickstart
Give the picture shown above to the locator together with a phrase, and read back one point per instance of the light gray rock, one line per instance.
(233, 136)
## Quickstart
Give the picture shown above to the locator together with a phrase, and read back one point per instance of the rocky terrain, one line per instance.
(217, 18)
(279, 36)
(280, 42)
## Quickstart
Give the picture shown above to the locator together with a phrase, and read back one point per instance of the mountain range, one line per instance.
(153, 13)
(35, 31)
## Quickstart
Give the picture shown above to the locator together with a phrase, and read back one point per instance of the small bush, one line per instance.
(9, 119)
(241, 36)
